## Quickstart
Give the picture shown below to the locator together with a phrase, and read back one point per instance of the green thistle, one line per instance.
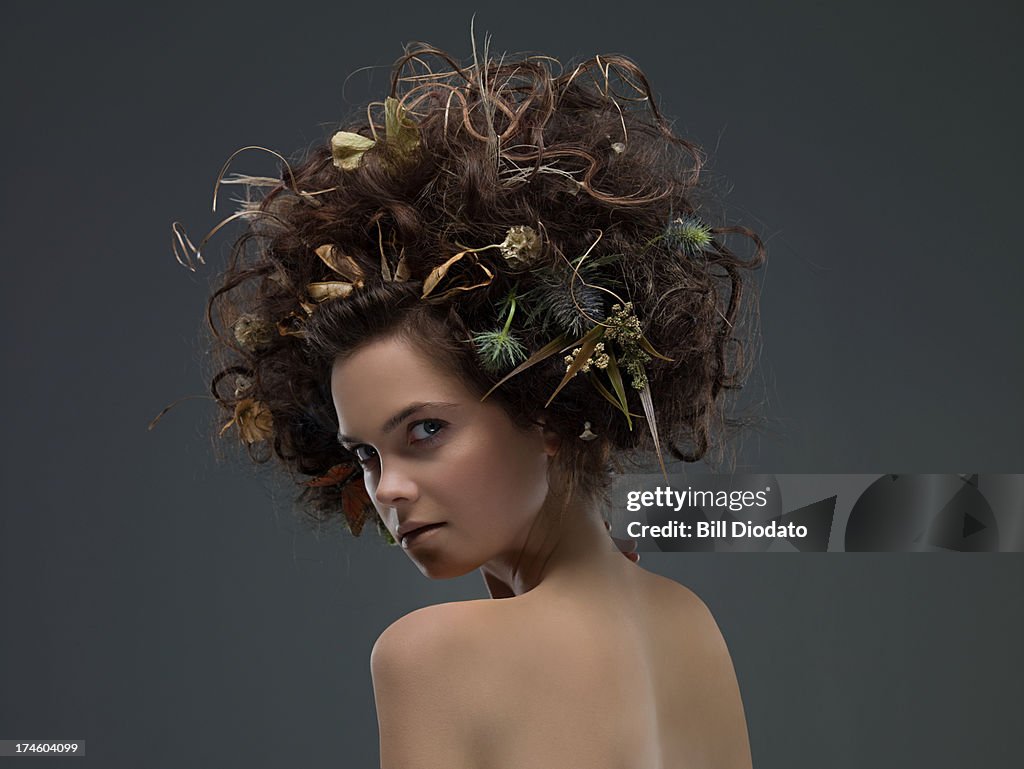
(562, 302)
(689, 233)
(499, 350)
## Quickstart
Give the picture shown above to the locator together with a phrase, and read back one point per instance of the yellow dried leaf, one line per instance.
(400, 131)
(402, 270)
(332, 289)
(347, 149)
(587, 345)
(481, 284)
(439, 272)
(345, 266)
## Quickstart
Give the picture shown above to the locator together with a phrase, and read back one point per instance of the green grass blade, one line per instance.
(620, 389)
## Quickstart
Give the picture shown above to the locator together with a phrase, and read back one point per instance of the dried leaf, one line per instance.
(347, 149)
(652, 425)
(402, 270)
(170, 406)
(345, 266)
(332, 289)
(338, 474)
(399, 131)
(291, 324)
(649, 349)
(355, 502)
(587, 345)
(439, 272)
(608, 396)
(620, 390)
(356, 505)
(456, 289)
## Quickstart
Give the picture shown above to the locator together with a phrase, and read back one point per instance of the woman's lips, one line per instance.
(418, 534)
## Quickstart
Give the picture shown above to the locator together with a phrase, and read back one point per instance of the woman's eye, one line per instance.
(362, 456)
(429, 428)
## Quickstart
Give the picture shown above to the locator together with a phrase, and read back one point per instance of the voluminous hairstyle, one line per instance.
(582, 156)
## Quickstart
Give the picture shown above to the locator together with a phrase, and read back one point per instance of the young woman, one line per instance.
(458, 320)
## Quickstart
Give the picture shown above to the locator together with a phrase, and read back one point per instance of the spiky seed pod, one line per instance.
(498, 351)
(688, 233)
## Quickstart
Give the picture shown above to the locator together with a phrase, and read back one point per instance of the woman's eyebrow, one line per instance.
(398, 418)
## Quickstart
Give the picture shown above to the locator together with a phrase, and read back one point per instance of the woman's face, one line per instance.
(432, 453)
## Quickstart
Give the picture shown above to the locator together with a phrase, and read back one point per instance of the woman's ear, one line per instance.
(552, 440)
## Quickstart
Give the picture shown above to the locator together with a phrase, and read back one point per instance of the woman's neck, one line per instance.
(562, 552)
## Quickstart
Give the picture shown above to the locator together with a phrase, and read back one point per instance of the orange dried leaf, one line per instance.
(337, 474)
(356, 506)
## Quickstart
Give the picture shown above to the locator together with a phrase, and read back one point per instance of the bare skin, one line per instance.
(587, 661)
(641, 651)
(635, 675)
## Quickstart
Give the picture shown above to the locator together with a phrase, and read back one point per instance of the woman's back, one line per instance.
(633, 675)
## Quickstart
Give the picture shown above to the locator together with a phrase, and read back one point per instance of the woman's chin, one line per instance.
(440, 568)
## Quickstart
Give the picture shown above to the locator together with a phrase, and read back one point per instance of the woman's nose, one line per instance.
(395, 484)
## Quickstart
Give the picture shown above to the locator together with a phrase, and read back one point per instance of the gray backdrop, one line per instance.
(167, 609)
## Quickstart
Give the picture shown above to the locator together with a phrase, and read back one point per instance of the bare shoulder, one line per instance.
(687, 611)
(443, 631)
(430, 643)
(422, 668)
(705, 705)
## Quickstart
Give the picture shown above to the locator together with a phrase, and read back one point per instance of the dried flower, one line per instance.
(598, 358)
(242, 384)
(254, 421)
(624, 328)
(253, 333)
(521, 246)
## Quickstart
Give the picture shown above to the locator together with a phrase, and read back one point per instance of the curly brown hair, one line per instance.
(581, 159)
